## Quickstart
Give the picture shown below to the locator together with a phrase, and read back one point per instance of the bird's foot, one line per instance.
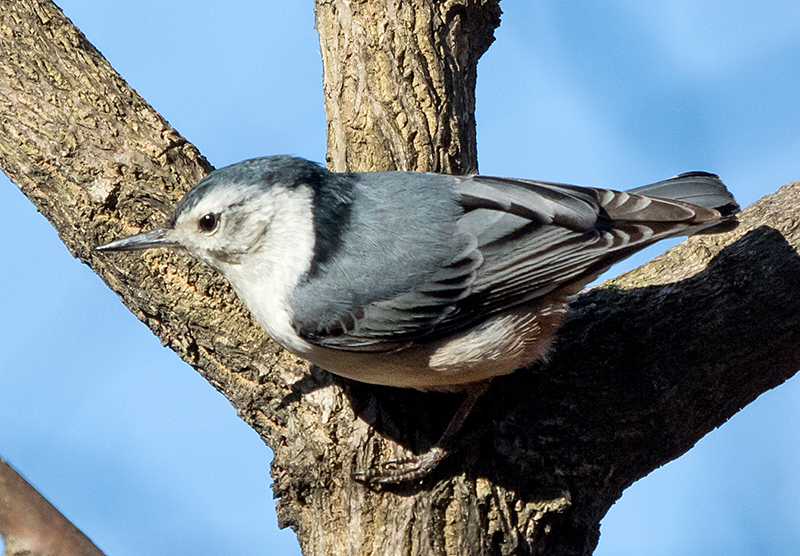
(403, 470)
(415, 468)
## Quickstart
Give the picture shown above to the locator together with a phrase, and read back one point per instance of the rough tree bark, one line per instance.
(399, 82)
(643, 368)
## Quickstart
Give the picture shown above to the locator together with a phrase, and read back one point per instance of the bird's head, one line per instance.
(237, 212)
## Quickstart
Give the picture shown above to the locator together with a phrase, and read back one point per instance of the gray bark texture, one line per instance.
(644, 367)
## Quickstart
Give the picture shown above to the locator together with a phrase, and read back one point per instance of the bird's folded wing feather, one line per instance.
(525, 240)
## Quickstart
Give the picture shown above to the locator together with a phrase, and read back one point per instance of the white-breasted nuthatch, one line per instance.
(419, 280)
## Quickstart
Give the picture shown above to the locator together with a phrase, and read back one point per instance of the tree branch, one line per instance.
(643, 368)
(32, 526)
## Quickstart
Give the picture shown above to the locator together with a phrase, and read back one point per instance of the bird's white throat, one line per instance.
(269, 274)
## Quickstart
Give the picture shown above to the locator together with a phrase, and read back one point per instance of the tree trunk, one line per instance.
(642, 369)
(399, 82)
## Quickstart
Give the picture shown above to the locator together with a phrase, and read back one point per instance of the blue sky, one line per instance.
(147, 458)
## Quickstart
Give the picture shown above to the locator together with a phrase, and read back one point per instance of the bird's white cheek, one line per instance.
(267, 276)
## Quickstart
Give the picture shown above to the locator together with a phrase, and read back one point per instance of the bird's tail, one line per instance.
(698, 188)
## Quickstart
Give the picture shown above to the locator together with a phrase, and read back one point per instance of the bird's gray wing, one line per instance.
(525, 240)
(573, 235)
(397, 322)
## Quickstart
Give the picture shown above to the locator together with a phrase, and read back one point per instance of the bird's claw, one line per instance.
(402, 470)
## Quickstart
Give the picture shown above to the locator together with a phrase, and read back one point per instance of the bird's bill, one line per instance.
(154, 238)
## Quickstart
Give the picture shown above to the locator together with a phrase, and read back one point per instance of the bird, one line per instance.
(419, 280)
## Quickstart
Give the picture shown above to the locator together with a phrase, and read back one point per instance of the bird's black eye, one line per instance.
(208, 223)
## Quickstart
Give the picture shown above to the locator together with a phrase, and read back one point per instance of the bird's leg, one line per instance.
(416, 468)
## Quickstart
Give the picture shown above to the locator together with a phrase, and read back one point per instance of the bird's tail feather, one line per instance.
(698, 188)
